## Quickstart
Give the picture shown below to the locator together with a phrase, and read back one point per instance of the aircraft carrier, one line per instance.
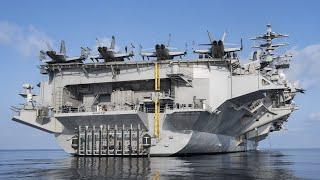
(110, 105)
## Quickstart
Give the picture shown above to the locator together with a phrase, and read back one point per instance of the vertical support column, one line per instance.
(79, 143)
(115, 140)
(85, 140)
(156, 128)
(93, 141)
(100, 140)
(122, 140)
(138, 140)
(156, 77)
(130, 139)
(108, 128)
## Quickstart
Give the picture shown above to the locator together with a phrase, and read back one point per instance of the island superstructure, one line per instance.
(161, 106)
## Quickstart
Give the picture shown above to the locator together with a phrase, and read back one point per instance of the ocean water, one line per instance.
(267, 164)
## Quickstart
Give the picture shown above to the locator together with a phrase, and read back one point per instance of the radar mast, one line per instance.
(267, 47)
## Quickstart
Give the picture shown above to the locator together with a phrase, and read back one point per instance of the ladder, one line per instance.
(156, 127)
(181, 76)
(58, 98)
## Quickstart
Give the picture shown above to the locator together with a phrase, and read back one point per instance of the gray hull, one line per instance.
(163, 107)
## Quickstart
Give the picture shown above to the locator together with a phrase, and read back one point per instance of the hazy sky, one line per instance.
(26, 25)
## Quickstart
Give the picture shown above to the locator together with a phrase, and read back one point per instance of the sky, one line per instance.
(26, 26)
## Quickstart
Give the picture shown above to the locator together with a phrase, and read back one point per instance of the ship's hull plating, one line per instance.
(208, 109)
(182, 132)
(187, 144)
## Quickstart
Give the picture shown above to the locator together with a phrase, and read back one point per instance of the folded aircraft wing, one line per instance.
(202, 51)
(231, 49)
(176, 53)
(148, 54)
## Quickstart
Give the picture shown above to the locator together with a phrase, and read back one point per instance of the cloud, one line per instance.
(315, 117)
(27, 40)
(305, 65)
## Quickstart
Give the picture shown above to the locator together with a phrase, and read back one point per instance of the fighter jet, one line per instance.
(61, 57)
(269, 35)
(218, 49)
(162, 52)
(109, 54)
(270, 46)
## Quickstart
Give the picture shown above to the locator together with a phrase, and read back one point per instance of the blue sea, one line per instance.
(263, 164)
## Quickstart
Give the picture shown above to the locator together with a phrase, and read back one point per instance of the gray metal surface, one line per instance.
(206, 105)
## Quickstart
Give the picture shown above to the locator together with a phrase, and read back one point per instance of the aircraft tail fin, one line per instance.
(223, 36)
(140, 48)
(63, 47)
(113, 43)
(85, 52)
(48, 46)
(210, 37)
(186, 48)
(42, 55)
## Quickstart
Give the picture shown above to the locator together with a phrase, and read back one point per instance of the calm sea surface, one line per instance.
(55, 164)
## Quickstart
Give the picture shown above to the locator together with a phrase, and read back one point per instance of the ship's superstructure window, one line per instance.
(104, 98)
(117, 70)
(116, 96)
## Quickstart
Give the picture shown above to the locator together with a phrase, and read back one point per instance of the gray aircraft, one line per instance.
(162, 52)
(109, 54)
(61, 57)
(217, 49)
(268, 37)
